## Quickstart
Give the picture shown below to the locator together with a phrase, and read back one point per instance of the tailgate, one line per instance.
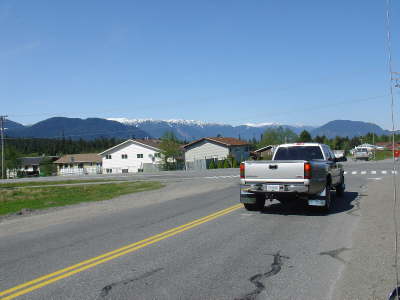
(278, 170)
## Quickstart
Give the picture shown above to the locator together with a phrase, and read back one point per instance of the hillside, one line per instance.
(188, 130)
(347, 128)
(76, 128)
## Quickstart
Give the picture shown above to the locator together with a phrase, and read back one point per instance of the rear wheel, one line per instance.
(259, 205)
(340, 188)
(328, 199)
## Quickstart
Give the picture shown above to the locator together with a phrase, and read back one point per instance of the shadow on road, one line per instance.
(339, 205)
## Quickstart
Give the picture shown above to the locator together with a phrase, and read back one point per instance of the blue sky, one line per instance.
(293, 62)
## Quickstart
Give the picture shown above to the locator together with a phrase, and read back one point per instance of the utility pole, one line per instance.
(373, 143)
(2, 121)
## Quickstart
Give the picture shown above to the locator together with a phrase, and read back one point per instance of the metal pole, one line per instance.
(2, 119)
(373, 143)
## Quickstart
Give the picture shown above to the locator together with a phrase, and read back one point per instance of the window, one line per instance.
(108, 171)
(140, 156)
(108, 156)
(80, 166)
(124, 170)
(124, 156)
(298, 153)
(158, 155)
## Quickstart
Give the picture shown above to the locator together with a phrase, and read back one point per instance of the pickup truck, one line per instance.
(306, 171)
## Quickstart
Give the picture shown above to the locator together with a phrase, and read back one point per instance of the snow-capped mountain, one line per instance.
(192, 129)
(172, 122)
(188, 130)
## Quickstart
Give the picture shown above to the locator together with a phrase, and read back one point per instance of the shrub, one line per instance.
(234, 163)
(212, 165)
(226, 164)
(220, 164)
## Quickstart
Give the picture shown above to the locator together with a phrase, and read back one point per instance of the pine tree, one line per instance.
(305, 137)
(212, 165)
(220, 164)
(226, 164)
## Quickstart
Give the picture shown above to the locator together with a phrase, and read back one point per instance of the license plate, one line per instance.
(316, 202)
(272, 187)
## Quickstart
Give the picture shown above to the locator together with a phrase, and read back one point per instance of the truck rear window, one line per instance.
(299, 153)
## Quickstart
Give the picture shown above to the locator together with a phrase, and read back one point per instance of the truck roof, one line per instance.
(300, 144)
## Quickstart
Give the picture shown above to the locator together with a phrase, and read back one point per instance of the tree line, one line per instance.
(282, 135)
(170, 145)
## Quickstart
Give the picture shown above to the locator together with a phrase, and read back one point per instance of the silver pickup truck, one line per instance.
(297, 171)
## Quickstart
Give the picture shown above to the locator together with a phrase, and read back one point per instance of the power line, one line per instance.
(2, 121)
(109, 132)
(391, 81)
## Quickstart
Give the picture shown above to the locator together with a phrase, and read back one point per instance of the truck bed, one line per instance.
(275, 171)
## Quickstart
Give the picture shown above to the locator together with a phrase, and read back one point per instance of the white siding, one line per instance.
(132, 163)
(206, 149)
(74, 169)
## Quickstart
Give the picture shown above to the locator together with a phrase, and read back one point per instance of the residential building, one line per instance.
(79, 164)
(132, 156)
(30, 166)
(264, 152)
(385, 145)
(216, 148)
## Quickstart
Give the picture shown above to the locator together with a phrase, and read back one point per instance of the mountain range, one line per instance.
(188, 130)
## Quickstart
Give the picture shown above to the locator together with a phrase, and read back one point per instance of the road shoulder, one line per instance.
(73, 213)
(369, 272)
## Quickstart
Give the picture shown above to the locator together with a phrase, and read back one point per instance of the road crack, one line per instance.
(335, 253)
(276, 267)
(105, 291)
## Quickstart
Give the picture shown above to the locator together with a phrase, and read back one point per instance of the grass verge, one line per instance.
(383, 154)
(40, 183)
(15, 200)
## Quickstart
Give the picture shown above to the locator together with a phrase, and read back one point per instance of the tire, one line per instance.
(259, 205)
(328, 198)
(340, 188)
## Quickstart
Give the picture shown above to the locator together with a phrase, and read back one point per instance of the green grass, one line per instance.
(40, 183)
(383, 154)
(14, 200)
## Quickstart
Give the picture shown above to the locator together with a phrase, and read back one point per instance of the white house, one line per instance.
(132, 156)
(79, 164)
(216, 148)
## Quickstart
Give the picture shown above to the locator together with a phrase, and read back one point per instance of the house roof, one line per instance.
(34, 161)
(226, 141)
(79, 158)
(264, 148)
(31, 161)
(153, 143)
(384, 143)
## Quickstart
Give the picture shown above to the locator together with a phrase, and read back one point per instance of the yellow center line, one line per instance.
(90, 263)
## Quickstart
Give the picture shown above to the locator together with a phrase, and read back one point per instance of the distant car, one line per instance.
(361, 154)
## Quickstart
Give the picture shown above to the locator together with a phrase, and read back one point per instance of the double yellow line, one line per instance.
(42, 281)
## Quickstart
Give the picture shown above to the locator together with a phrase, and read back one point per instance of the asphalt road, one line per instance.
(281, 253)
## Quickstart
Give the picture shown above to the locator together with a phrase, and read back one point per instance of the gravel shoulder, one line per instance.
(369, 271)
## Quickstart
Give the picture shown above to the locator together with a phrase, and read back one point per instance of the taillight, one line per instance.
(307, 171)
(242, 170)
